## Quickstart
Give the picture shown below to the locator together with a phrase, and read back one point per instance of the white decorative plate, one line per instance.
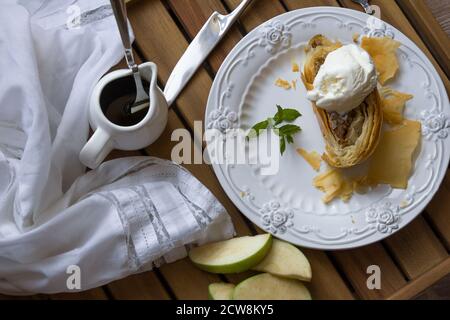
(286, 204)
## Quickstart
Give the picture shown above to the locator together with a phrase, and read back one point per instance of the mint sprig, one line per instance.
(285, 132)
(287, 115)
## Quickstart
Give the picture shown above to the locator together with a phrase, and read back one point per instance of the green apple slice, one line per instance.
(265, 286)
(221, 291)
(231, 256)
(285, 260)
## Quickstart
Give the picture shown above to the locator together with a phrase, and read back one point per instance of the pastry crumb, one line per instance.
(312, 158)
(294, 84)
(335, 184)
(283, 83)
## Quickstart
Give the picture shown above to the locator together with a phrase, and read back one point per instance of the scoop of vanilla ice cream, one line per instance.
(344, 80)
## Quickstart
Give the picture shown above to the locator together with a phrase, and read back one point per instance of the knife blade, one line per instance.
(201, 46)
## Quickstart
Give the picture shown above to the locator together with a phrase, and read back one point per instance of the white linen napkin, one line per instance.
(126, 216)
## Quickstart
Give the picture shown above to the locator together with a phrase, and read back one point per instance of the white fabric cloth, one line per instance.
(126, 216)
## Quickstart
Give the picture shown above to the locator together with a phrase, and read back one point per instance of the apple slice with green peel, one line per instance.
(221, 291)
(266, 286)
(285, 260)
(231, 256)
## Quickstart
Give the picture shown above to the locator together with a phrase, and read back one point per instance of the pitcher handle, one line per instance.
(96, 149)
(153, 86)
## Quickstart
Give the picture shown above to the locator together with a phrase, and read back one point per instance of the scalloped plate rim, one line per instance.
(293, 234)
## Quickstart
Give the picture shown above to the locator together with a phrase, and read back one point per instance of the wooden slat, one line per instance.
(239, 277)
(441, 11)
(326, 282)
(115, 154)
(144, 286)
(416, 248)
(318, 259)
(187, 281)
(423, 282)
(355, 262)
(295, 4)
(438, 291)
(429, 30)
(438, 211)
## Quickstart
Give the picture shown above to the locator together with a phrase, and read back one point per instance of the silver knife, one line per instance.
(206, 39)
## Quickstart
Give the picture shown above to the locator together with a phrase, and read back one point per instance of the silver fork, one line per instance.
(366, 6)
(142, 99)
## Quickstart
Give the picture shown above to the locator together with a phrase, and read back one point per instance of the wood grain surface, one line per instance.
(441, 11)
(424, 22)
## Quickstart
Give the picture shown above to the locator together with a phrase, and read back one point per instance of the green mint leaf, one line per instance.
(282, 145)
(290, 115)
(289, 129)
(278, 117)
(285, 132)
(257, 128)
(289, 139)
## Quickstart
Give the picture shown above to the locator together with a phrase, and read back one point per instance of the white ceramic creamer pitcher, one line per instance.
(108, 135)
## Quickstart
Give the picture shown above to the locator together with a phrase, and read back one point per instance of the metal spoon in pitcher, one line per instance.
(142, 98)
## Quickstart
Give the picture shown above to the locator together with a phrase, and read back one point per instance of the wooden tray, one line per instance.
(411, 260)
